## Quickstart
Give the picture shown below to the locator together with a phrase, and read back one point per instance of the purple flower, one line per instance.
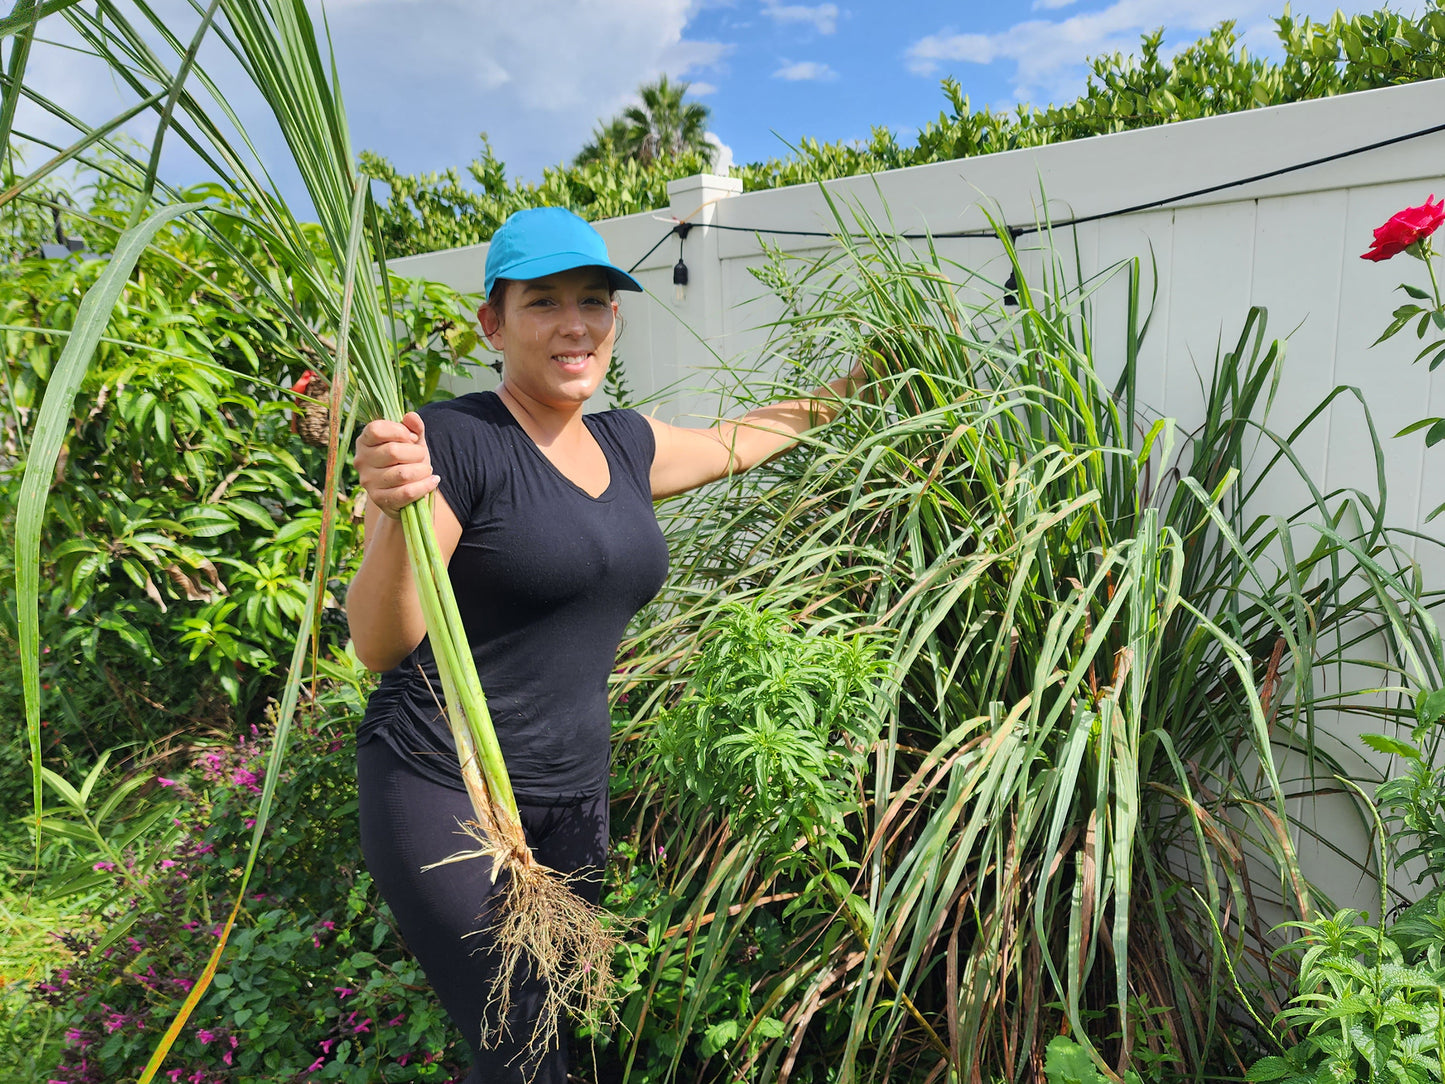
(344, 991)
(103, 867)
(205, 1036)
(317, 1064)
(163, 781)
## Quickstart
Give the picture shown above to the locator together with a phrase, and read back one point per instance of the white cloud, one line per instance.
(421, 80)
(805, 71)
(823, 17)
(722, 154)
(1051, 5)
(1048, 55)
(701, 90)
(925, 54)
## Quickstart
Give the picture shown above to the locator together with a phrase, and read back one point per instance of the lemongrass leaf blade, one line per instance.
(51, 424)
(148, 184)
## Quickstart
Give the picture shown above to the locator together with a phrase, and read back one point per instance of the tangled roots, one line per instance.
(544, 931)
(549, 933)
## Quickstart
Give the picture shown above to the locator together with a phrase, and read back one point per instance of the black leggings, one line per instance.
(408, 821)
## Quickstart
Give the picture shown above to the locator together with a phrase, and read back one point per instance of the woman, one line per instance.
(545, 517)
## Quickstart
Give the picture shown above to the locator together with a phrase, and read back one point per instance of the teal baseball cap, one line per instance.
(541, 241)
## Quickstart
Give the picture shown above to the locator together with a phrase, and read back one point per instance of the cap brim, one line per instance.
(553, 262)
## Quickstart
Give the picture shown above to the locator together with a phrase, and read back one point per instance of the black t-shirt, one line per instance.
(547, 579)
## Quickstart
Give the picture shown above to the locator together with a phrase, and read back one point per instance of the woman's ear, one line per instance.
(491, 324)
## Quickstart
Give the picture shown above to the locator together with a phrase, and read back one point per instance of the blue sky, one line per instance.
(423, 77)
(770, 71)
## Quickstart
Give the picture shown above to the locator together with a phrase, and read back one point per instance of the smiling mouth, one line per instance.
(572, 359)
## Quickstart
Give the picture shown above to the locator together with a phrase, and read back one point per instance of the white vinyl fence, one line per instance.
(1289, 241)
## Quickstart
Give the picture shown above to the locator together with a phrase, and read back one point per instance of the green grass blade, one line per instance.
(51, 424)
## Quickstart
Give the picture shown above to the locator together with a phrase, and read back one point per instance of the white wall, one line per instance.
(1289, 242)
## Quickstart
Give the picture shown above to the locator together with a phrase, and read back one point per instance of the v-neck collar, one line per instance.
(607, 492)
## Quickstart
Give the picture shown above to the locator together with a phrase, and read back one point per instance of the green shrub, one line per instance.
(183, 522)
(314, 983)
(765, 751)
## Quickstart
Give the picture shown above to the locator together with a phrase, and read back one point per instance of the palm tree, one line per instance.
(609, 140)
(662, 126)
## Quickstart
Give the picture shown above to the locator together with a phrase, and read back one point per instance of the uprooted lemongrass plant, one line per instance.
(544, 925)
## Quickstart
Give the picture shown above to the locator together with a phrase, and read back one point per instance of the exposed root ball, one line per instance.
(548, 932)
(543, 931)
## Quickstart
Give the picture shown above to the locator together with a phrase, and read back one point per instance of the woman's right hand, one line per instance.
(393, 463)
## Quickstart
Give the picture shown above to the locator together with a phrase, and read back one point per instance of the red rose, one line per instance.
(1405, 228)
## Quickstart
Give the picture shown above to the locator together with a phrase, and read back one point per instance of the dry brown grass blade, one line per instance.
(731, 912)
(801, 1015)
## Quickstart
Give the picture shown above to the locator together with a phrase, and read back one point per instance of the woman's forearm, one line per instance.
(688, 458)
(381, 604)
(770, 430)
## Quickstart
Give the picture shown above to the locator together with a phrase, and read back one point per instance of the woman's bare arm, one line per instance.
(381, 604)
(688, 458)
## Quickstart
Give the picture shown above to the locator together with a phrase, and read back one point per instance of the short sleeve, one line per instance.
(633, 442)
(456, 440)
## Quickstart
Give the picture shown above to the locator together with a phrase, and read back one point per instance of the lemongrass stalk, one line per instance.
(475, 737)
(276, 45)
(478, 751)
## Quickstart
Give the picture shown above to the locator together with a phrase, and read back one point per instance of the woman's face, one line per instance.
(555, 335)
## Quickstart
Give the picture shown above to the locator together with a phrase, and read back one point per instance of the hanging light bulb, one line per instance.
(679, 269)
(679, 280)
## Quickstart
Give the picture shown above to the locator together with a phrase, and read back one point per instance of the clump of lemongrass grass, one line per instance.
(1081, 817)
(276, 44)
